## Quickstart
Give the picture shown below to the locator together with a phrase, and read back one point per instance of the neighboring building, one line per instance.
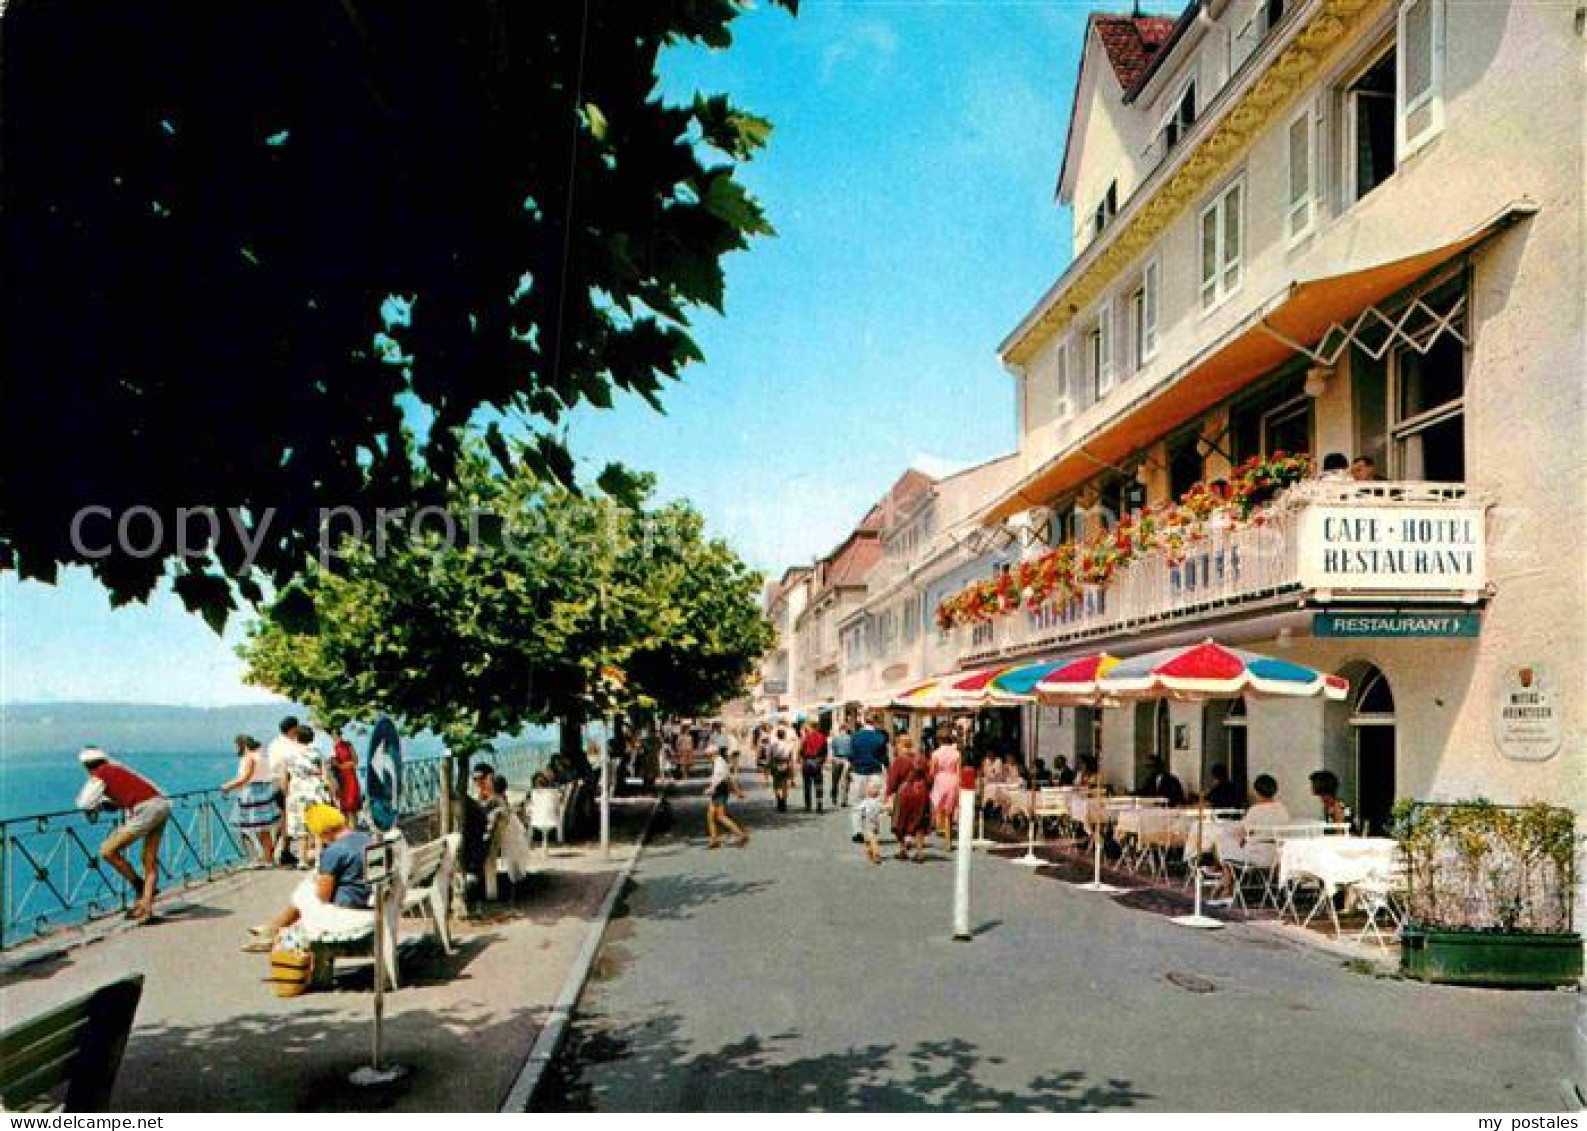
(1324, 226)
(838, 585)
(931, 547)
(777, 692)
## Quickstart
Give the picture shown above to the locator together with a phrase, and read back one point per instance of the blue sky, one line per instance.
(910, 178)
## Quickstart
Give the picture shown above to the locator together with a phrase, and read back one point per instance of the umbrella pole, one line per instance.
(1196, 918)
(1030, 859)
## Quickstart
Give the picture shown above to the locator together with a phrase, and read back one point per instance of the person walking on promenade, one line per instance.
(685, 754)
(305, 786)
(277, 755)
(945, 784)
(812, 755)
(912, 809)
(257, 812)
(842, 747)
(779, 762)
(898, 769)
(868, 814)
(867, 766)
(723, 785)
(344, 779)
(111, 785)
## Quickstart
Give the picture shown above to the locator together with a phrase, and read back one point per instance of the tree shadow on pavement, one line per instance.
(298, 1058)
(676, 897)
(654, 1068)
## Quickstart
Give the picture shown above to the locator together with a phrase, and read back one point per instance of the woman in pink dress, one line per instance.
(945, 787)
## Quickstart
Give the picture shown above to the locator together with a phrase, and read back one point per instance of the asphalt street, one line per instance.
(792, 975)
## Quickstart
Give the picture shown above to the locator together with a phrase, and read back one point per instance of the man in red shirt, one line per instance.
(812, 757)
(111, 785)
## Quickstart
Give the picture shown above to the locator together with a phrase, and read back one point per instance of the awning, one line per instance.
(1300, 316)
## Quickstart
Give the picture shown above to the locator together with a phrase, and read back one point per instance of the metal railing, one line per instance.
(51, 874)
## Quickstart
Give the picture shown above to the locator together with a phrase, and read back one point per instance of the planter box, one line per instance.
(1474, 958)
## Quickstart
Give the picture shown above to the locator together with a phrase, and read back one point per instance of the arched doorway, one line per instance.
(1223, 741)
(1372, 748)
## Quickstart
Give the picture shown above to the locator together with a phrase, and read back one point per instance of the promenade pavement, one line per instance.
(793, 975)
(211, 1036)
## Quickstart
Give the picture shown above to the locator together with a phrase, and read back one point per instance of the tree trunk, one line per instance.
(571, 743)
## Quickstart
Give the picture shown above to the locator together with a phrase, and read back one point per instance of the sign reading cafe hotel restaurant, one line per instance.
(1405, 548)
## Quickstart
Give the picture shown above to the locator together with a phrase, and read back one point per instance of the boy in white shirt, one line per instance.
(869, 813)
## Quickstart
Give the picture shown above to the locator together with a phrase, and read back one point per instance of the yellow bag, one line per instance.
(290, 972)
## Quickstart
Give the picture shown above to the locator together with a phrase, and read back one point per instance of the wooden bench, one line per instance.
(78, 1044)
(424, 888)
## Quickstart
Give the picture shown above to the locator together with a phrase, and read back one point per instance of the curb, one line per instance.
(554, 1033)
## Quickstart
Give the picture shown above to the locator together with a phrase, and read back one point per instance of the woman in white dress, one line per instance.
(305, 785)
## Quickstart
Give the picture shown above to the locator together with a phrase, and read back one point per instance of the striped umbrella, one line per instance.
(1076, 682)
(1211, 671)
(974, 689)
(1018, 684)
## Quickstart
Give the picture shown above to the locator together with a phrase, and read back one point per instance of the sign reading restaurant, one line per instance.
(1379, 625)
(1436, 548)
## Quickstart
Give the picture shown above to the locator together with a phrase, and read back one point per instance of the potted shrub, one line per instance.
(1490, 893)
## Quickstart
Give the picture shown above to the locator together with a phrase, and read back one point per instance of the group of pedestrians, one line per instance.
(896, 785)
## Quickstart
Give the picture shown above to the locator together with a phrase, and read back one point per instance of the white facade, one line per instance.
(1470, 112)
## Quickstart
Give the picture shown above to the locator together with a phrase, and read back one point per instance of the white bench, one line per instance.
(422, 886)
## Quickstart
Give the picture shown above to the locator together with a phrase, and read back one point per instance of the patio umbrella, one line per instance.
(1210, 671)
(974, 689)
(1018, 683)
(1076, 683)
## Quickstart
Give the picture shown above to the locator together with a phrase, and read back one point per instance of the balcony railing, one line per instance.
(1333, 541)
(51, 875)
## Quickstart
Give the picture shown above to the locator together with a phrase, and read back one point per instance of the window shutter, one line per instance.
(1300, 175)
(1209, 257)
(1420, 62)
(1149, 284)
(1066, 405)
(1105, 348)
(1233, 238)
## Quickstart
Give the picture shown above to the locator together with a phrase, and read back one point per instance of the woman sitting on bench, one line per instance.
(335, 899)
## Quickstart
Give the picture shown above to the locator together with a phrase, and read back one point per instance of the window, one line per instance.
(1419, 112)
(1177, 123)
(1429, 374)
(1107, 208)
(1185, 465)
(1142, 317)
(1099, 353)
(1082, 373)
(1222, 245)
(1369, 119)
(1302, 207)
(1251, 34)
(1287, 428)
(1066, 404)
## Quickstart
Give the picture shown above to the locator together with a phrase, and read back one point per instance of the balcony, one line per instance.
(1320, 544)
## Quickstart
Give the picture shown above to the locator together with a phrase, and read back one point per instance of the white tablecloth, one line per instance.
(1219, 837)
(1338, 861)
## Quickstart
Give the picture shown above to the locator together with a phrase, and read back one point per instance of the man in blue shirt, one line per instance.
(867, 767)
(841, 746)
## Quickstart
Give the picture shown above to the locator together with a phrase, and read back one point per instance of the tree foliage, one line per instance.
(250, 246)
(564, 605)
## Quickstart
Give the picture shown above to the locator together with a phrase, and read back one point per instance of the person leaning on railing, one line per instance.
(111, 785)
(258, 807)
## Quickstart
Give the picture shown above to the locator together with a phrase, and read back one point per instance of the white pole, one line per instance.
(1196, 918)
(1098, 835)
(961, 873)
(1030, 859)
(606, 802)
